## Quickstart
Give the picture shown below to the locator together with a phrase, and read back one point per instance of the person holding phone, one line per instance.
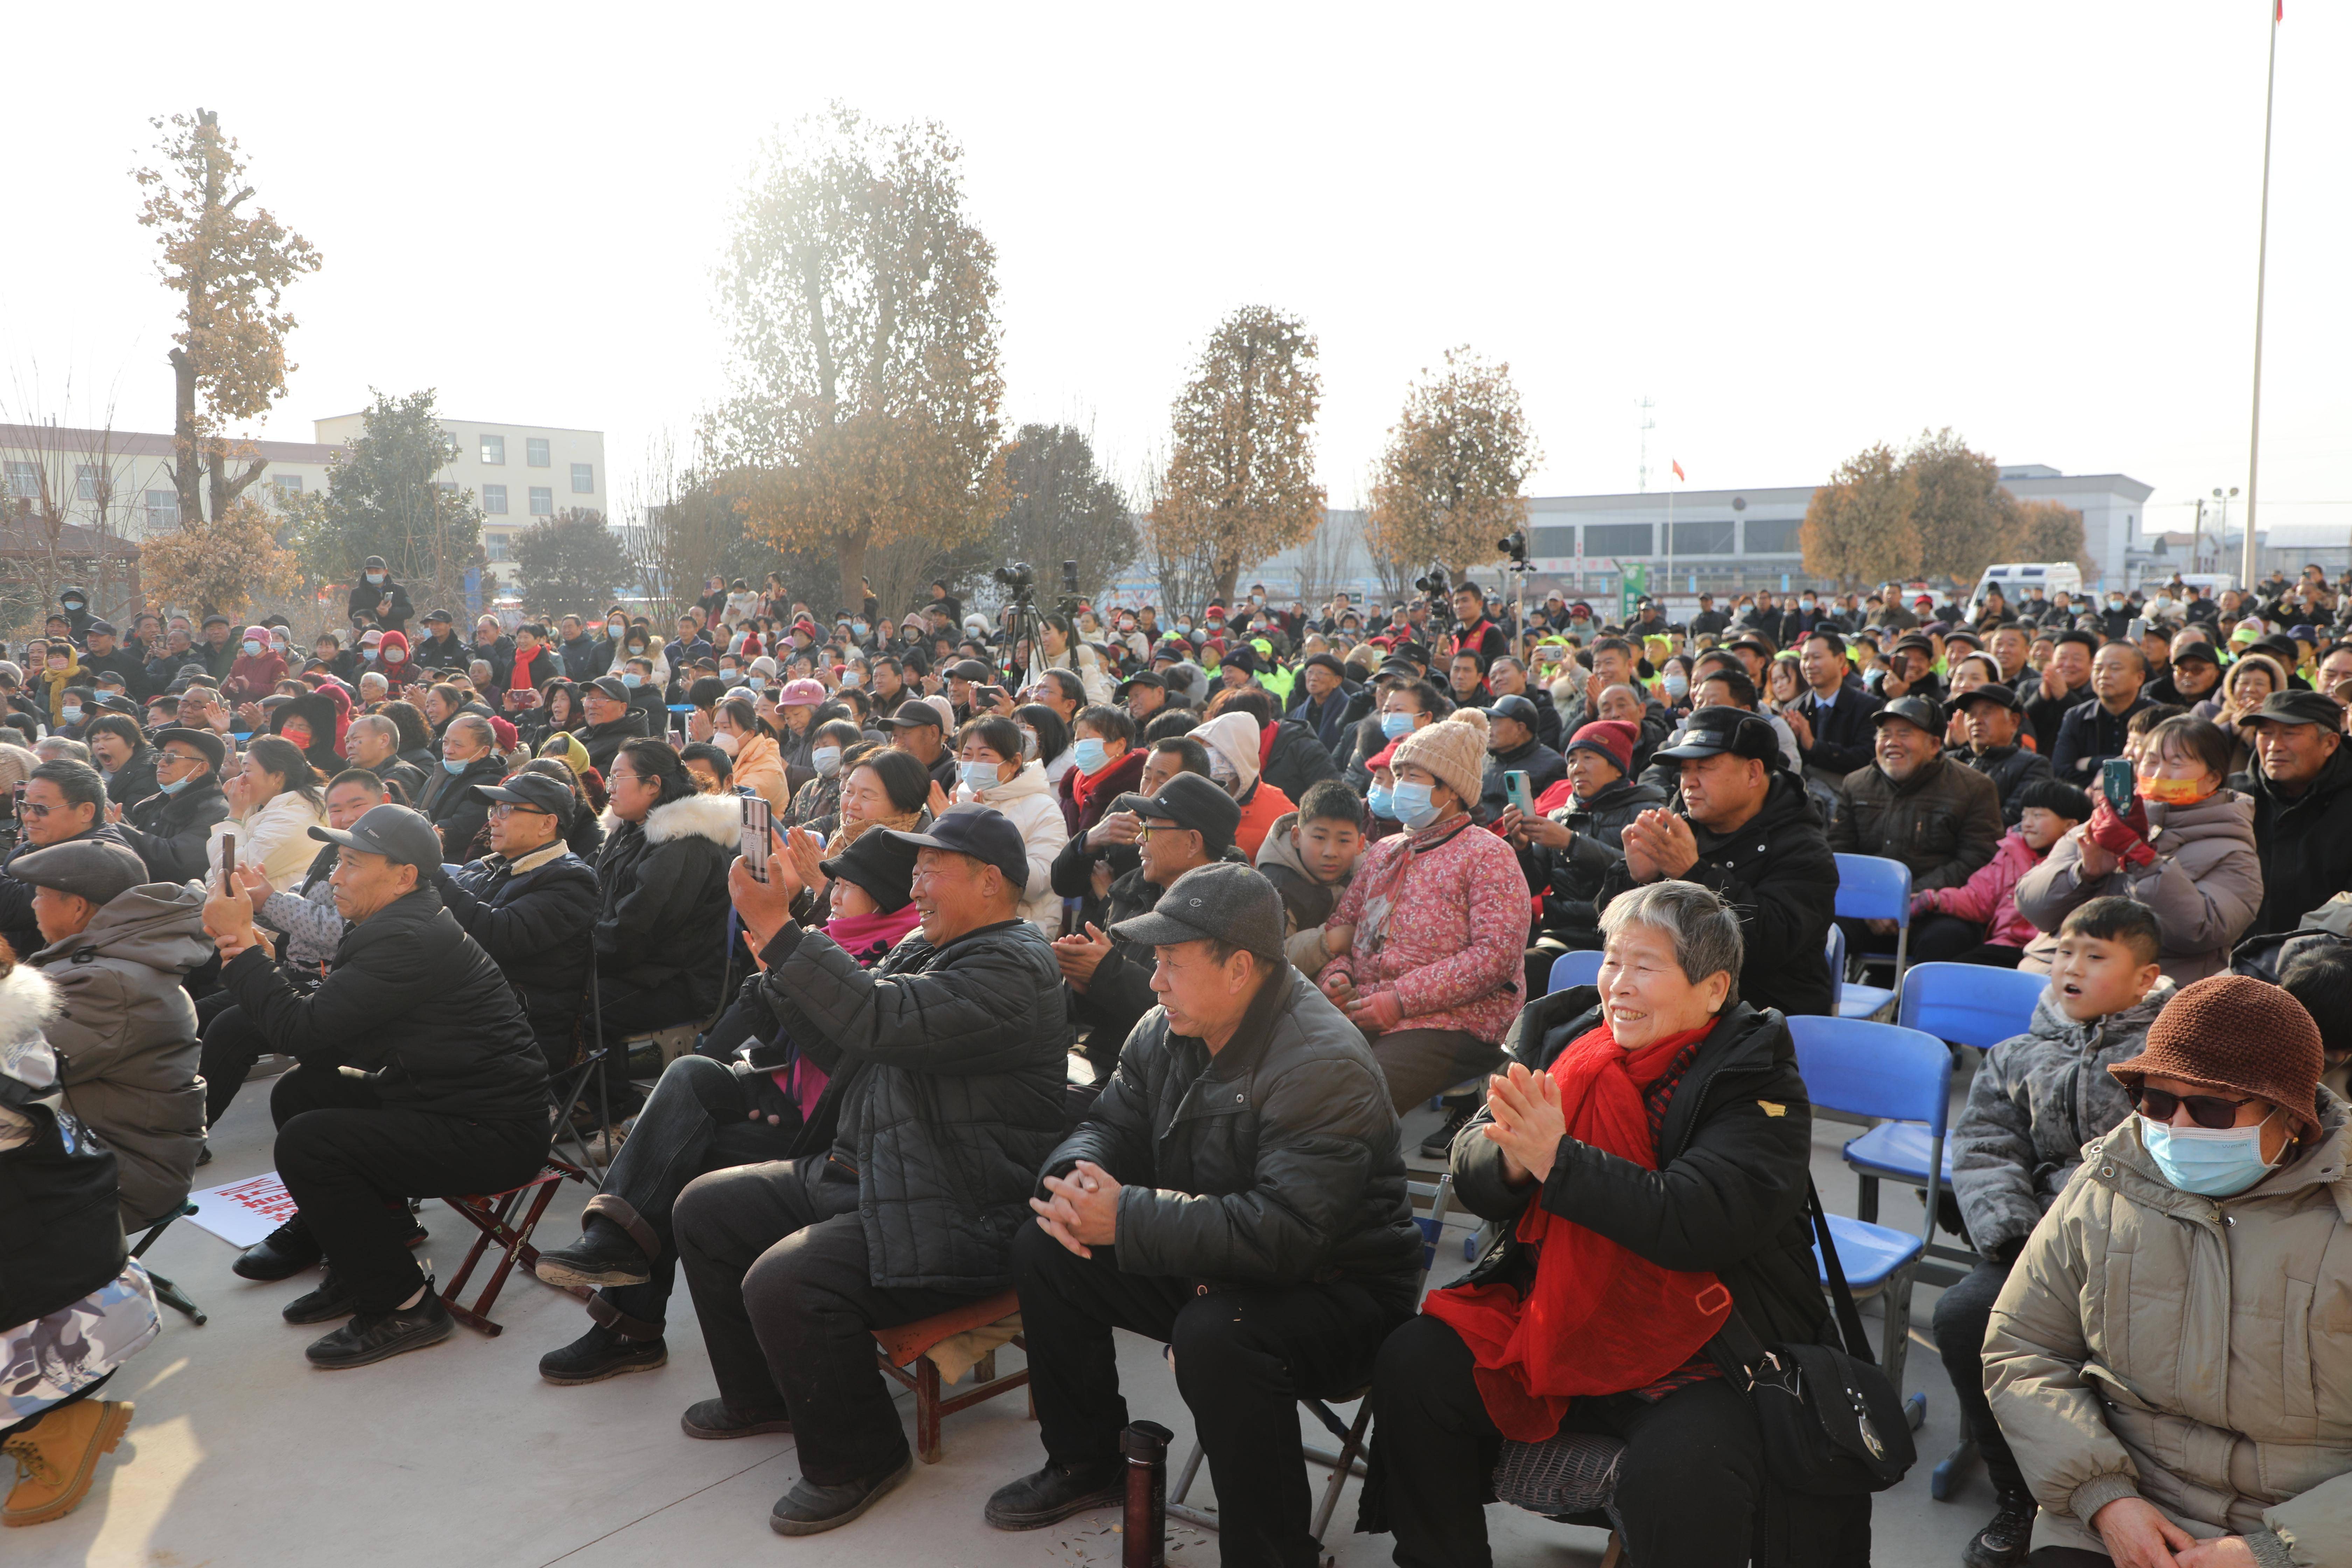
(1513, 747)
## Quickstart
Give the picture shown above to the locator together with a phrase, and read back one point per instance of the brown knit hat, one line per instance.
(2234, 1032)
(1454, 749)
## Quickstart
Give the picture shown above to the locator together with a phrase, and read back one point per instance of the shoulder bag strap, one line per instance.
(1849, 1321)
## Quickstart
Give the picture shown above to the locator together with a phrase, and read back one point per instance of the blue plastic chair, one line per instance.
(1579, 968)
(1872, 888)
(1883, 1071)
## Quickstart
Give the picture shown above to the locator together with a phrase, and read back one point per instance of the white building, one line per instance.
(119, 482)
(519, 473)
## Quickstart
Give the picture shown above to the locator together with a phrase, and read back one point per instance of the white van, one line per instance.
(2014, 579)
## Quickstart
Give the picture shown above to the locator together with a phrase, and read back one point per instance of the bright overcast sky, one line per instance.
(1799, 230)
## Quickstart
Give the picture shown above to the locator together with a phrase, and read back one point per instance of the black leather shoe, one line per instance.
(2002, 1543)
(598, 1354)
(282, 1254)
(376, 1336)
(602, 1260)
(710, 1418)
(1055, 1492)
(331, 1300)
(812, 1509)
(1439, 1144)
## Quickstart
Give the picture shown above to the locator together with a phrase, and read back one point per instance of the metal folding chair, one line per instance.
(1347, 1460)
(1862, 1068)
(170, 1295)
(1872, 888)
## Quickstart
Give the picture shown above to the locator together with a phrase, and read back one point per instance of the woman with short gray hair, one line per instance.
(1645, 1155)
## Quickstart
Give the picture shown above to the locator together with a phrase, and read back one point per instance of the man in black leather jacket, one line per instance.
(1237, 1191)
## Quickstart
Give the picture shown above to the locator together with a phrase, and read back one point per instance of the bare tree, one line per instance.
(1323, 560)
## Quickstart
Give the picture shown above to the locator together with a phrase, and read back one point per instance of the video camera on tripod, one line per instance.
(1019, 580)
(1437, 587)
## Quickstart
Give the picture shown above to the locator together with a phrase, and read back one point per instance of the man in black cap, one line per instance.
(2301, 781)
(612, 721)
(918, 730)
(2194, 673)
(1744, 827)
(947, 1060)
(1323, 695)
(962, 676)
(1993, 716)
(1512, 746)
(442, 649)
(382, 600)
(1271, 1245)
(1915, 804)
(1188, 823)
(171, 828)
(417, 1076)
(1911, 670)
(1145, 694)
(530, 904)
(104, 658)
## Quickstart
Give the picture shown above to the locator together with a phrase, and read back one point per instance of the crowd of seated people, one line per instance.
(1330, 862)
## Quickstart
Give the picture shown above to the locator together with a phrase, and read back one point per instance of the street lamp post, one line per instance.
(2221, 534)
(2261, 270)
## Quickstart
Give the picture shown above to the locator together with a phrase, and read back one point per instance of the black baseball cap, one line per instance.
(1920, 711)
(1514, 706)
(910, 714)
(982, 832)
(209, 743)
(968, 670)
(1188, 800)
(1712, 732)
(1993, 691)
(441, 615)
(881, 863)
(1225, 901)
(2196, 653)
(536, 792)
(1327, 661)
(613, 686)
(2296, 708)
(401, 836)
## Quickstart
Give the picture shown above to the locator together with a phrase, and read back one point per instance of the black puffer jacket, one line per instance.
(2010, 768)
(1777, 873)
(1944, 821)
(1297, 759)
(603, 740)
(533, 917)
(1273, 1161)
(661, 923)
(948, 1064)
(458, 811)
(412, 997)
(1570, 877)
(60, 1227)
(170, 831)
(2305, 841)
(1728, 1196)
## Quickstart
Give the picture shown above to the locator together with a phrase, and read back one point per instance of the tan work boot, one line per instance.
(57, 1458)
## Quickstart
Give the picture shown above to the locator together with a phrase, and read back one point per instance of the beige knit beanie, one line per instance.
(1454, 749)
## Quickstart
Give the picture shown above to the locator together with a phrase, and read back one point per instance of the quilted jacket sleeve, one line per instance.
(1485, 875)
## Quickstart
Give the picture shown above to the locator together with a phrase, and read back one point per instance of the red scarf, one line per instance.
(1599, 1319)
(1082, 784)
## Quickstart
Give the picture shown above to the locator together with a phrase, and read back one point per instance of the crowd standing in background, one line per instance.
(1039, 880)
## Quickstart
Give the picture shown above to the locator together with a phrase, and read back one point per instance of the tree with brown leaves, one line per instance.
(864, 345)
(1240, 482)
(230, 264)
(1859, 527)
(1964, 518)
(1447, 488)
(2047, 530)
(220, 565)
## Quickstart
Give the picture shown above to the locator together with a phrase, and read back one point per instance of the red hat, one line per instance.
(1611, 738)
(507, 735)
(1383, 757)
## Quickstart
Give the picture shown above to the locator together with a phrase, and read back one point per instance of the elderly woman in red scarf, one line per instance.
(1646, 1153)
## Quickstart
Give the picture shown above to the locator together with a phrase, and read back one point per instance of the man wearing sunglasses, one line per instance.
(531, 903)
(2170, 1356)
(64, 801)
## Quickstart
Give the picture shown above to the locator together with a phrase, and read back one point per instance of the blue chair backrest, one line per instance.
(1582, 968)
(1440, 1193)
(1871, 888)
(1875, 1070)
(1968, 1003)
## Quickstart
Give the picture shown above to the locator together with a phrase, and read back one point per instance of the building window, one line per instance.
(163, 509)
(495, 545)
(584, 478)
(534, 449)
(285, 484)
(1703, 538)
(494, 499)
(1634, 539)
(494, 450)
(88, 477)
(1778, 537)
(543, 501)
(24, 481)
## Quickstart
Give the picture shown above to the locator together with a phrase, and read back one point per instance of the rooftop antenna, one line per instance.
(1641, 482)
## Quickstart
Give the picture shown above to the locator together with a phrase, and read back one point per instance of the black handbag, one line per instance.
(1834, 1424)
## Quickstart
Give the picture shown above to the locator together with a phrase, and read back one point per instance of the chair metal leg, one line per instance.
(1199, 1519)
(1614, 1557)
(1952, 1470)
(172, 1297)
(1865, 1207)
(1350, 1448)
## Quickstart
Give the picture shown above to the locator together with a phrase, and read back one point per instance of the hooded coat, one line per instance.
(172, 832)
(2204, 885)
(532, 916)
(2194, 1351)
(253, 676)
(126, 1038)
(1233, 737)
(661, 923)
(1027, 802)
(1306, 903)
(2037, 1097)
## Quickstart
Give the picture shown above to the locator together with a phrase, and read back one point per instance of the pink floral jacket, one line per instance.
(1440, 918)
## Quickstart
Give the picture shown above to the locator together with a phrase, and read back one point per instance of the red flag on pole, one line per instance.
(1679, 474)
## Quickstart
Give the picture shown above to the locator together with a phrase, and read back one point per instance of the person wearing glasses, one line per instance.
(2171, 1356)
(530, 903)
(64, 801)
(171, 828)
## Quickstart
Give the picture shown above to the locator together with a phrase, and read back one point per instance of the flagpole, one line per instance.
(2262, 276)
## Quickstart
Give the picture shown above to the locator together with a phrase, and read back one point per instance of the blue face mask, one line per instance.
(1383, 800)
(1413, 806)
(632, 678)
(858, 627)
(978, 776)
(175, 787)
(1089, 755)
(2214, 1163)
(1396, 726)
(825, 760)
(454, 766)
(252, 649)
(72, 713)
